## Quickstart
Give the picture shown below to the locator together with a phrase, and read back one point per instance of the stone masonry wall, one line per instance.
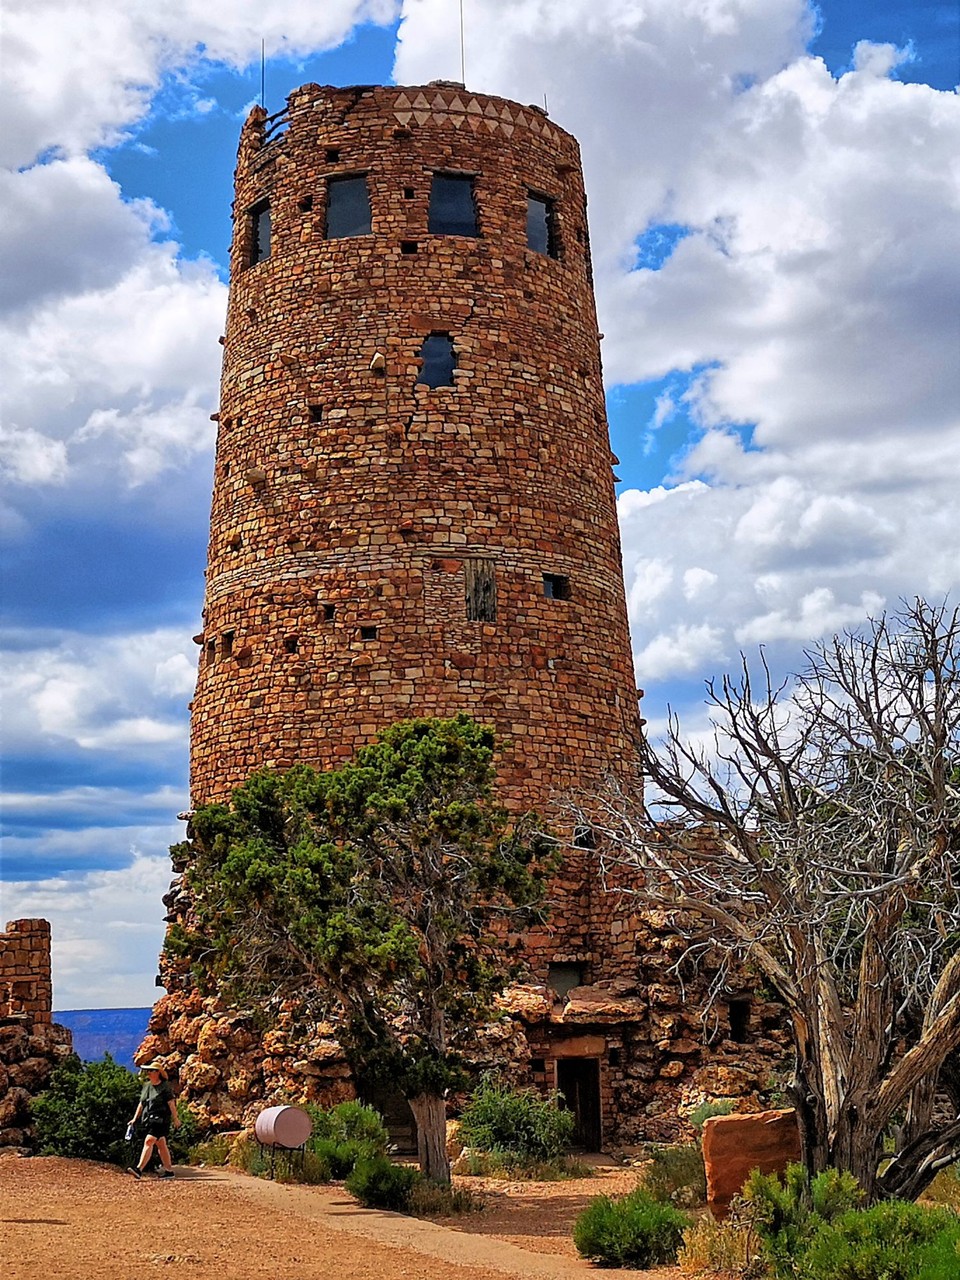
(31, 1044)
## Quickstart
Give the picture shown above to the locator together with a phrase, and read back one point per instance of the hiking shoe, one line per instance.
(165, 1173)
(135, 1171)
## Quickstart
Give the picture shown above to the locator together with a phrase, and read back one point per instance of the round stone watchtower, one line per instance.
(413, 508)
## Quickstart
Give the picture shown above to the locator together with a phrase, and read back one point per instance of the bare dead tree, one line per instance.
(818, 835)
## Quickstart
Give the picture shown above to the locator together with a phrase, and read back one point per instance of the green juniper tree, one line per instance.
(382, 891)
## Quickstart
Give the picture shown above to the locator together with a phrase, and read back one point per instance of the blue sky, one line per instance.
(775, 253)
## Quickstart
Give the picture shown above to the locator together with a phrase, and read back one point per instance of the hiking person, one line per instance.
(159, 1111)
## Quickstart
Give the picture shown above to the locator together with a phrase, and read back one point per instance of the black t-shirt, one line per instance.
(155, 1101)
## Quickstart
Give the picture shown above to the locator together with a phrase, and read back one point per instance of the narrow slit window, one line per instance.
(226, 644)
(556, 586)
(329, 612)
(480, 583)
(541, 225)
(211, 651)
(259, 232)
(738, 1013)
(453, 211)
(438, 361)
(348, 207)
(316, 412)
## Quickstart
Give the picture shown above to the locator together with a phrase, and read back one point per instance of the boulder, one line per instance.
(735, 1144)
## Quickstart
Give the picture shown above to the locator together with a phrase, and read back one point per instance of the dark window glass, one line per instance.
(481, 589)
(348, 208)
(260, 232)
(438, 360)
(556, 587)
(562, 978)
(452, 210)
(541, 225)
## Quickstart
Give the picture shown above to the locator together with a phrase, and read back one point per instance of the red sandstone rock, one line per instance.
(734, 1145)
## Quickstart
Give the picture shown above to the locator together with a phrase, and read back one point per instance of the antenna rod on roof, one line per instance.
(263, 95)
(463, 65)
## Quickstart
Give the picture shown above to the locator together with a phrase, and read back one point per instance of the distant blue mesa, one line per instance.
(100, 1031)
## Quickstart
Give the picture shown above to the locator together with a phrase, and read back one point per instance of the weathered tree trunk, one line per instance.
(430, 1113)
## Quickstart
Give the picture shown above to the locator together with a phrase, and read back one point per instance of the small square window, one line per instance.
(368, 633)
(452, 208)
(316, 412)
(333, 155)
(348, 207)
(562, 978)
(408, 193)
(541, 225)
(538, 1066)
(438, 361)
(556, 586)
(583, 838)
(259, 232)
(305, 204)
(408, 246)
(291, 643)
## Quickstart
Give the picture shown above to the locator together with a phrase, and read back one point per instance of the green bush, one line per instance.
(787, 1214)
(518, 1121)
(430, 1199)
(341, 1157)
(699, 1116)
(895, 1240)
(636, 1231)
(676, 1175)
(85, 1109)
(350, 1122)
(214, 1150)
(379, 1184)
(183, 1140)
(505, 1164)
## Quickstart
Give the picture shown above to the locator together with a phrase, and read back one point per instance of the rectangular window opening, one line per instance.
(316, 412)
(305, 204)
(291, 643)
(583, 838)
(329, 612)
(538, 1066)
(408, 246)
(453, 210)
(348, 207)
(368, 633)
(738, 1014)
(480, 583)
(556, 586)
(226, 643)
(259, 232)
(332, 155)
(437, 361)
(211, 651)
(562, 978)
(613, 1057)
(542, 225)
(408, 193)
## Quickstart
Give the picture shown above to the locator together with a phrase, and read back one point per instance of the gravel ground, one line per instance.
(74, 1220)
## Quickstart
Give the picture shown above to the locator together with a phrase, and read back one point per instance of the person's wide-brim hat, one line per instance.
(155, 1065)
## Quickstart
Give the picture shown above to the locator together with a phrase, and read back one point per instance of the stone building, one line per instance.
(413, 514)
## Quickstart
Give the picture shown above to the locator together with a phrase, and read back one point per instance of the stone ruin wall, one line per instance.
(31, 1044)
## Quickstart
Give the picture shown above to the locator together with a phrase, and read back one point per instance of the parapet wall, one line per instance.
(25, 982)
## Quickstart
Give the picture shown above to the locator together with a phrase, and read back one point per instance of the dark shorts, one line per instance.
(157, 1128)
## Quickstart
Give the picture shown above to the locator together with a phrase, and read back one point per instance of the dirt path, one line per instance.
(72, 1220)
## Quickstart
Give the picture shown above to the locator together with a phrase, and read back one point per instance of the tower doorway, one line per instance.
(578, 1080)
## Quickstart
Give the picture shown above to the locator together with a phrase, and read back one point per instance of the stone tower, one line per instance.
(413, 509)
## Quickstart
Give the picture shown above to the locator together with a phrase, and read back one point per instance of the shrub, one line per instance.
(895, 1240)
(214, 1150)
(787, 1214)
(379, 1184)
(350, 1122)
(519, 1121)
(676, 1175)
(430, 1199)
(85, 1109)
(731, 1246)
(636, 1231)
(945, 1188)
(182, 1141)
(505, 1164)
(699, 1116)
(340, 1157)
(282, 1165)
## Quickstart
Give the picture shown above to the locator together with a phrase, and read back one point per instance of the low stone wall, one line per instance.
(31, 1044)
